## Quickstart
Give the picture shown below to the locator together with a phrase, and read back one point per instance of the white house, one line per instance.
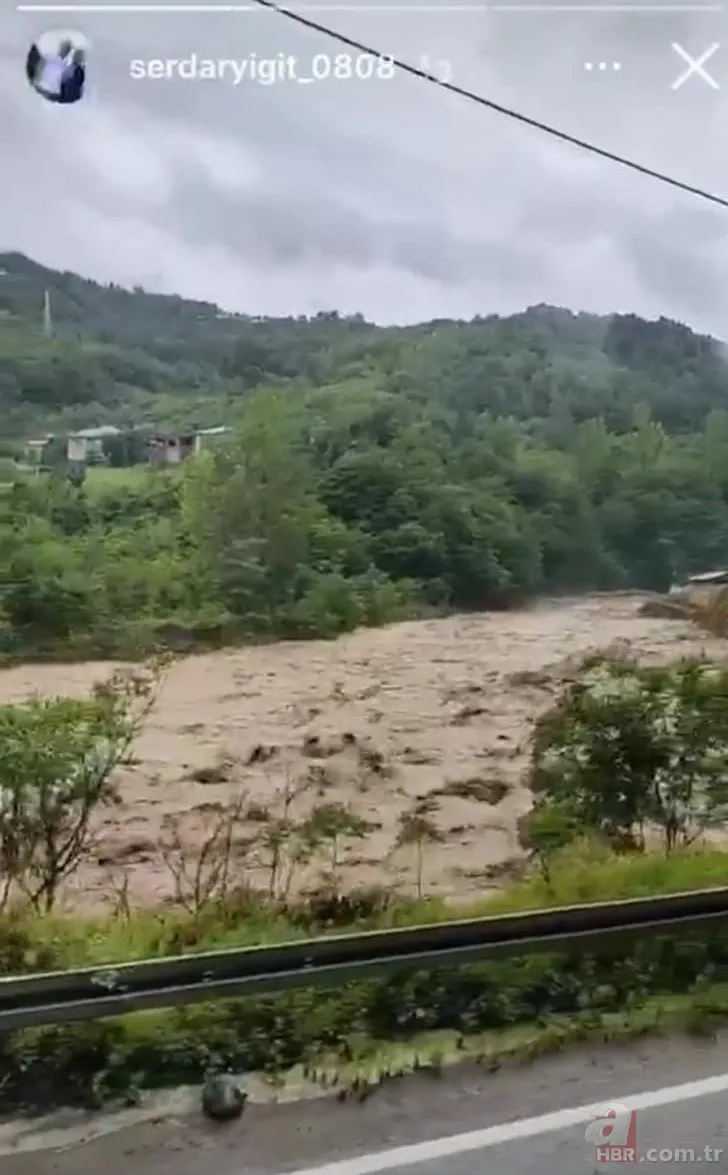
(207, 434)
(89, 441)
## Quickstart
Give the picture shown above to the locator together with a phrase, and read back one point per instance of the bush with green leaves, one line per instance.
(57, 761)
(91, 1064)
(88, 1065)
(630, 748)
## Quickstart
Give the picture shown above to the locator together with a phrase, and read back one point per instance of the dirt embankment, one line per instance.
(379, 719)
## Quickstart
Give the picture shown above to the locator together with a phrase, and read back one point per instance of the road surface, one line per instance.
(688, 1131)
(521, 1121)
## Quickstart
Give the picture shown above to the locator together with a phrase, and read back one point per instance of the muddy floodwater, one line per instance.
(375, 720)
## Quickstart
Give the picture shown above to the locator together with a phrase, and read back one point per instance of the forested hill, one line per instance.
(122, 356)
(448, 464)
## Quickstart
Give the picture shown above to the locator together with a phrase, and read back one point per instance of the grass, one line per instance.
(377, 1060)
(516, 1009)
(373, 1063)
(100, 478)
(103, 475)
(586, 873)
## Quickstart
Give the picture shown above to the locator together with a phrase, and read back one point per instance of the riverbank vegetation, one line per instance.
(587, 843)
(370, 473)
(543, 1002)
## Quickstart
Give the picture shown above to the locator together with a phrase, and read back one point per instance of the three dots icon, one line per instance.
(602, 66)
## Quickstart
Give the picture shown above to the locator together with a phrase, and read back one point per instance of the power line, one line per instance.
(489, 104)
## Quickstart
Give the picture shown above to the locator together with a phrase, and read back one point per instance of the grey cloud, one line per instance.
(689, 272)
(292, 227)
(393, 198)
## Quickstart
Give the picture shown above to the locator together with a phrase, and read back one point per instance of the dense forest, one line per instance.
(372, 472)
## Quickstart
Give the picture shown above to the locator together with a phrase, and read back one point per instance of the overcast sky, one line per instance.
(392, 198)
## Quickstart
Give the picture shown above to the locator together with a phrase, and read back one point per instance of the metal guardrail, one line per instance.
(95, 992)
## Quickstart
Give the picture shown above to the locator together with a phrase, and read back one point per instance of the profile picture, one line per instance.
(56, 66)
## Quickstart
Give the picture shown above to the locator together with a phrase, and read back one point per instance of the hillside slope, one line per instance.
(382, 473)
(121, 354)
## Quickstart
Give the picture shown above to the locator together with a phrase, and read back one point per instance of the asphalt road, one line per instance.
(682, 1134)
(521, 1121)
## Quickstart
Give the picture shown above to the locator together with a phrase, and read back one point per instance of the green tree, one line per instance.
(545, 831)
(628, 748)
(46, 594)
(330, 827)
(417, 830)
(57, 759)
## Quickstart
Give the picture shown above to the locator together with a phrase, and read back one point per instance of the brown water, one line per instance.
(428, 704)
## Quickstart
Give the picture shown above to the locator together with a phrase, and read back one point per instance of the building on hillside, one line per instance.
(700, 590)
(173, 448)
(207, 436)
(77, 450)
(170, 449)
(88, 443)
(33, 450)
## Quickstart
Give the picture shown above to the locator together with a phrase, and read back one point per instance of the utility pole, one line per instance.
(47, 317)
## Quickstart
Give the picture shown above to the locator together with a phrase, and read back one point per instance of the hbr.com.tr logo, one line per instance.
(613, 1133)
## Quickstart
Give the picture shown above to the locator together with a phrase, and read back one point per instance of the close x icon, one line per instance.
(695, 66)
